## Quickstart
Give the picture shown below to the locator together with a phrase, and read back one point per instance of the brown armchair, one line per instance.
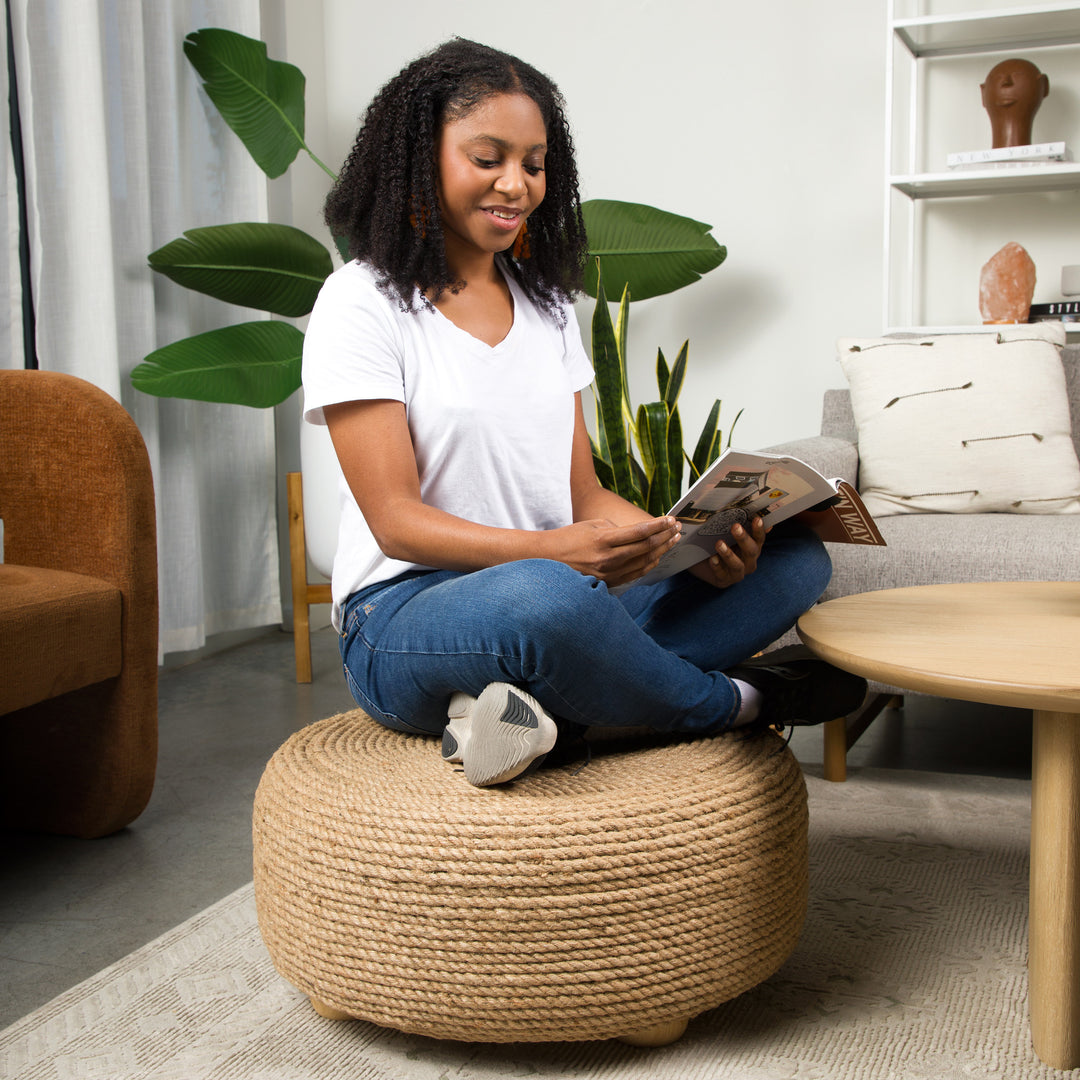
(78, 609)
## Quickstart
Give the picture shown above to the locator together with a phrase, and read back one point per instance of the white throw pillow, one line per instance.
(963, 423)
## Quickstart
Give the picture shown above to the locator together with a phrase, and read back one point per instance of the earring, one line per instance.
(521, 243)
(418, 219)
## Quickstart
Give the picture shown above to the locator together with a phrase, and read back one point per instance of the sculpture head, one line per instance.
(1012, 94)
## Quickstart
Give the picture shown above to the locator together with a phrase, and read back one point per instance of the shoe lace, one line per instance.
(588, 756)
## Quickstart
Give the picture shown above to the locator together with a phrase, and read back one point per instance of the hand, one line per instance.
(615, 554)
(731, 564)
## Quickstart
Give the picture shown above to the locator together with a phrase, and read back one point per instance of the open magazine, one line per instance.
(741, 485)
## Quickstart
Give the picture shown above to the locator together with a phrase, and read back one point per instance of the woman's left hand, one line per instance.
(731, 563)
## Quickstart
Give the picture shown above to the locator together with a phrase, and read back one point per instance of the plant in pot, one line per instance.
(638, 249)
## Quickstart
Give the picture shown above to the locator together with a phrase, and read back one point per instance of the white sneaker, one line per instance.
(498, 735)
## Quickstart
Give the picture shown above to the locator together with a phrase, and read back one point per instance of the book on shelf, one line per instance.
(1011, 157)
(741, 485)
(1055, 310)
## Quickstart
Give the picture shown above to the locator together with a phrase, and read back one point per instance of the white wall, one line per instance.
(764, 120)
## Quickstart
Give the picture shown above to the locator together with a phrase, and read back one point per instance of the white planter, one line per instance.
(322, 513)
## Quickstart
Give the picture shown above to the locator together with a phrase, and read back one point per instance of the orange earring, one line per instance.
(521, 243)
(419, 221)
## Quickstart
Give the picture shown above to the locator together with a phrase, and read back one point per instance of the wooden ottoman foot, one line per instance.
(328, 1011)
(657, 1035)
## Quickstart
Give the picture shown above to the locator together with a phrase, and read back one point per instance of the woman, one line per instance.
(476, 546)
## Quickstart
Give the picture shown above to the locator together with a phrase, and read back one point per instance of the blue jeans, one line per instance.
(653, 656)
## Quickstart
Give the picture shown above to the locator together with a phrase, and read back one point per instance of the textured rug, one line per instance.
(911, 964)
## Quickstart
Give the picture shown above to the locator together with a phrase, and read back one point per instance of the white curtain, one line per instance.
(11, 325)
(123, 153)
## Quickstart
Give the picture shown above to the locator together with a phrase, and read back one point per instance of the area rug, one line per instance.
(911, 964)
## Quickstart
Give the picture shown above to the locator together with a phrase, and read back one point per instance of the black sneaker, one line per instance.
(798, 689)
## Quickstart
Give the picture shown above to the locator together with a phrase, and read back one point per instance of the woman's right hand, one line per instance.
(615, 554)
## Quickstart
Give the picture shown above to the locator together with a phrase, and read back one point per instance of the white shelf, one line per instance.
(977, 328)
(961, 182)
(934, 331)
(1028, 27)
(914, 46)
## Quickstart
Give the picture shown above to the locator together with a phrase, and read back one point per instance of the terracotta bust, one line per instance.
(1012, 94)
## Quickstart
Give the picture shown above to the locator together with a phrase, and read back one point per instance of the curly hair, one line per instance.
(380, 204)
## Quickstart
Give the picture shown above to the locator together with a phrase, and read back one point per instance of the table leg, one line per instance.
(1054, 913)
(835, 747)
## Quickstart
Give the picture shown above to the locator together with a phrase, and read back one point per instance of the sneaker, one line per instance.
(498, 735)
(798, 689)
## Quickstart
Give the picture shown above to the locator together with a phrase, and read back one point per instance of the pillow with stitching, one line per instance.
(964, 423)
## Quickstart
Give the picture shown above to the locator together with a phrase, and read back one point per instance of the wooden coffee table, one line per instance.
(1004, 643)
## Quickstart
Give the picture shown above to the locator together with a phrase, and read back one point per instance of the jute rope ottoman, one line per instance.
(619, 899)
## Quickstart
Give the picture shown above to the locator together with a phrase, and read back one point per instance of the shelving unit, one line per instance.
(912, 42)
(1026, 27)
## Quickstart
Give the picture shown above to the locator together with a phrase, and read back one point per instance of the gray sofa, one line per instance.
(925, 549)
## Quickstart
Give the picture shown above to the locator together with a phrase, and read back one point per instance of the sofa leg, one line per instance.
(835, 753)
(842, 734)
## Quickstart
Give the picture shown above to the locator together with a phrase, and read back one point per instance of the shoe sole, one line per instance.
(498, 736)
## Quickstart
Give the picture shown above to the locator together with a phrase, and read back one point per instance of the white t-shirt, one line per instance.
(492, 427)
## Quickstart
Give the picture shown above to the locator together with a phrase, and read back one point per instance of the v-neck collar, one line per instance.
(516, 300)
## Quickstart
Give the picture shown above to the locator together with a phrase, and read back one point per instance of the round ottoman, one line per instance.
(615, 898)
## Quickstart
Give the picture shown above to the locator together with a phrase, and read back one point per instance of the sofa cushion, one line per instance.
(965, 423)
(931, 549)
(58, 632)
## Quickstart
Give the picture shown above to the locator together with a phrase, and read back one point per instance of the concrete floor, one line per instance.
(70, 907)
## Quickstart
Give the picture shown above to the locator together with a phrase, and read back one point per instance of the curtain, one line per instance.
(123, 152)
(11, 321)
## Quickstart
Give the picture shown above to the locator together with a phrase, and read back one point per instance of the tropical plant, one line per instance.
(644, 252)
(266, 266)
(640, 250)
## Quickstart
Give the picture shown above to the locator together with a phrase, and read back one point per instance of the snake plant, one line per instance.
(656, 482)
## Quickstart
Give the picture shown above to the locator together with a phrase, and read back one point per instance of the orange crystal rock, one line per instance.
(1006, 286)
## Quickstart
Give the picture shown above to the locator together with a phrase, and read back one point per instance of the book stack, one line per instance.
(1011, 157)
(1056, 311)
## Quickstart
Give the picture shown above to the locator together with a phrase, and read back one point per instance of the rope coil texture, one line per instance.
(650, 886)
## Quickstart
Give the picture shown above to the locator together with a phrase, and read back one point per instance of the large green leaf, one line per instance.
(255, 264)
(608, 391)
(674, 458)
(262, 100)
(602, 466)
(731, 430)
(256, 363)
(673, 385)
(670, 384)
(650, 250)
(641, 482)
(663, 374)
(652, 424)
(708, 444)
(622, 326)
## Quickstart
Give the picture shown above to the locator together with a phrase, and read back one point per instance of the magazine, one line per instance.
(741, 485)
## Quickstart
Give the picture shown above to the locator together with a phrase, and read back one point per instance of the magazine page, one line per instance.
(738, 486)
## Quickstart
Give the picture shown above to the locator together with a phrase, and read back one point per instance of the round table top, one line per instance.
(1004, 643)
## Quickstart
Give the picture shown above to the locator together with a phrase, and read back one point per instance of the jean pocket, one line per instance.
(363, 603)
(354, 619)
